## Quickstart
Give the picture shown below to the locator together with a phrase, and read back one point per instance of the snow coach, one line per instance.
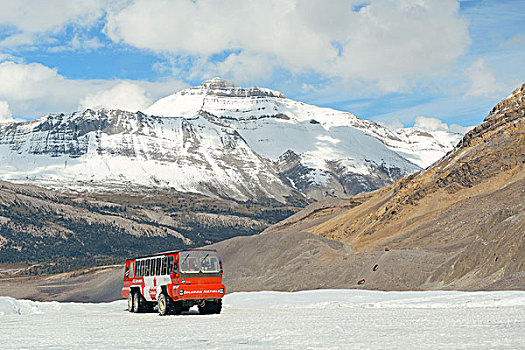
(174, 281)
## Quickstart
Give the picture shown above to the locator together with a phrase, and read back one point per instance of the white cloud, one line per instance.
(78, 42)
(34, 21)
(126, 96)
(387, 42)
(34, 89)
(430, 124)
(5, 113)
(242, 68)
(435, 124)
(393, 124)
(482, 81)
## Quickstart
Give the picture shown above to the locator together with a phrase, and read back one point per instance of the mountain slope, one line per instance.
(458, 225)
(57, 231)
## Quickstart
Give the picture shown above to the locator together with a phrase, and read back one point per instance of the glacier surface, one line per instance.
(328, 319)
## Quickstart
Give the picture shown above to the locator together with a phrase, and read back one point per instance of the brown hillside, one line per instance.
(458, 225)
(486, 162)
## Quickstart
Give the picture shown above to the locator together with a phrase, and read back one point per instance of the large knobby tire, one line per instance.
(177, 307)
(139, 303)
(130, 301)
(165, 305)
(211, 307)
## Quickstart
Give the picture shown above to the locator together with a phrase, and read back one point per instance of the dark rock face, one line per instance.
(342, 183)
(224, 88)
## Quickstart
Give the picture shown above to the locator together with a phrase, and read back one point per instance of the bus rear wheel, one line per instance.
(211, 307)
(130, 301)
(139, 303)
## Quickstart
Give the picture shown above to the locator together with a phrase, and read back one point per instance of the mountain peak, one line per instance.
(514, 101)
(217, 83)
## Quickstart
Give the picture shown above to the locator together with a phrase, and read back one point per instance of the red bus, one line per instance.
(175, 281)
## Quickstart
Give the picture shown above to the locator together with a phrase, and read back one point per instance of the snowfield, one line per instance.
(327, 319)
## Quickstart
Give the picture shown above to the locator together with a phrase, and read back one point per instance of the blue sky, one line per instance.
(389, 61)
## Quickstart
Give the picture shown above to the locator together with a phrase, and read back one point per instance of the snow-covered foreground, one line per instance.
(339, 319)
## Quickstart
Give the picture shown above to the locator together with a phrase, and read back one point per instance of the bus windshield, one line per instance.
(199, 262)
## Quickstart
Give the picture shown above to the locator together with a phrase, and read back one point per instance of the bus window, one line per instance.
(132, 270)
(164, 267)
(157, 269)
(170, 265)
(147, 267)
(126, 274)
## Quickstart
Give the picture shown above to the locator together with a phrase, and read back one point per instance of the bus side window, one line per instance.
(157, 270)
(126, 274)
(164, 266)
(146, 272)
(132, 270)
(170, 265)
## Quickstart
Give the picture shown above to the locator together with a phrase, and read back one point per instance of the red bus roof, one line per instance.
(171, 252)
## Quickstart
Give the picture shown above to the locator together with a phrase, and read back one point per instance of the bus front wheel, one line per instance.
(165, 305)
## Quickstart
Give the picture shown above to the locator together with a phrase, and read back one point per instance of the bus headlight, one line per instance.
(221, 290)
(181, 292)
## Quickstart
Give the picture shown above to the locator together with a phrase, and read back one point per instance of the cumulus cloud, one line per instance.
(392, 124)
(5, 113)
(435, 124)
(242, 67)
(30, 21)
(387, 42)
(125, 95)
(34, 89)
(482, 81)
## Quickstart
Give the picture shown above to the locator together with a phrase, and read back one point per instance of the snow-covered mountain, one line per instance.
(116, 147)
(320, 151)
(218, 139)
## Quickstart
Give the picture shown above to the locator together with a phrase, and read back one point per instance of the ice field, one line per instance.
(321, 319)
